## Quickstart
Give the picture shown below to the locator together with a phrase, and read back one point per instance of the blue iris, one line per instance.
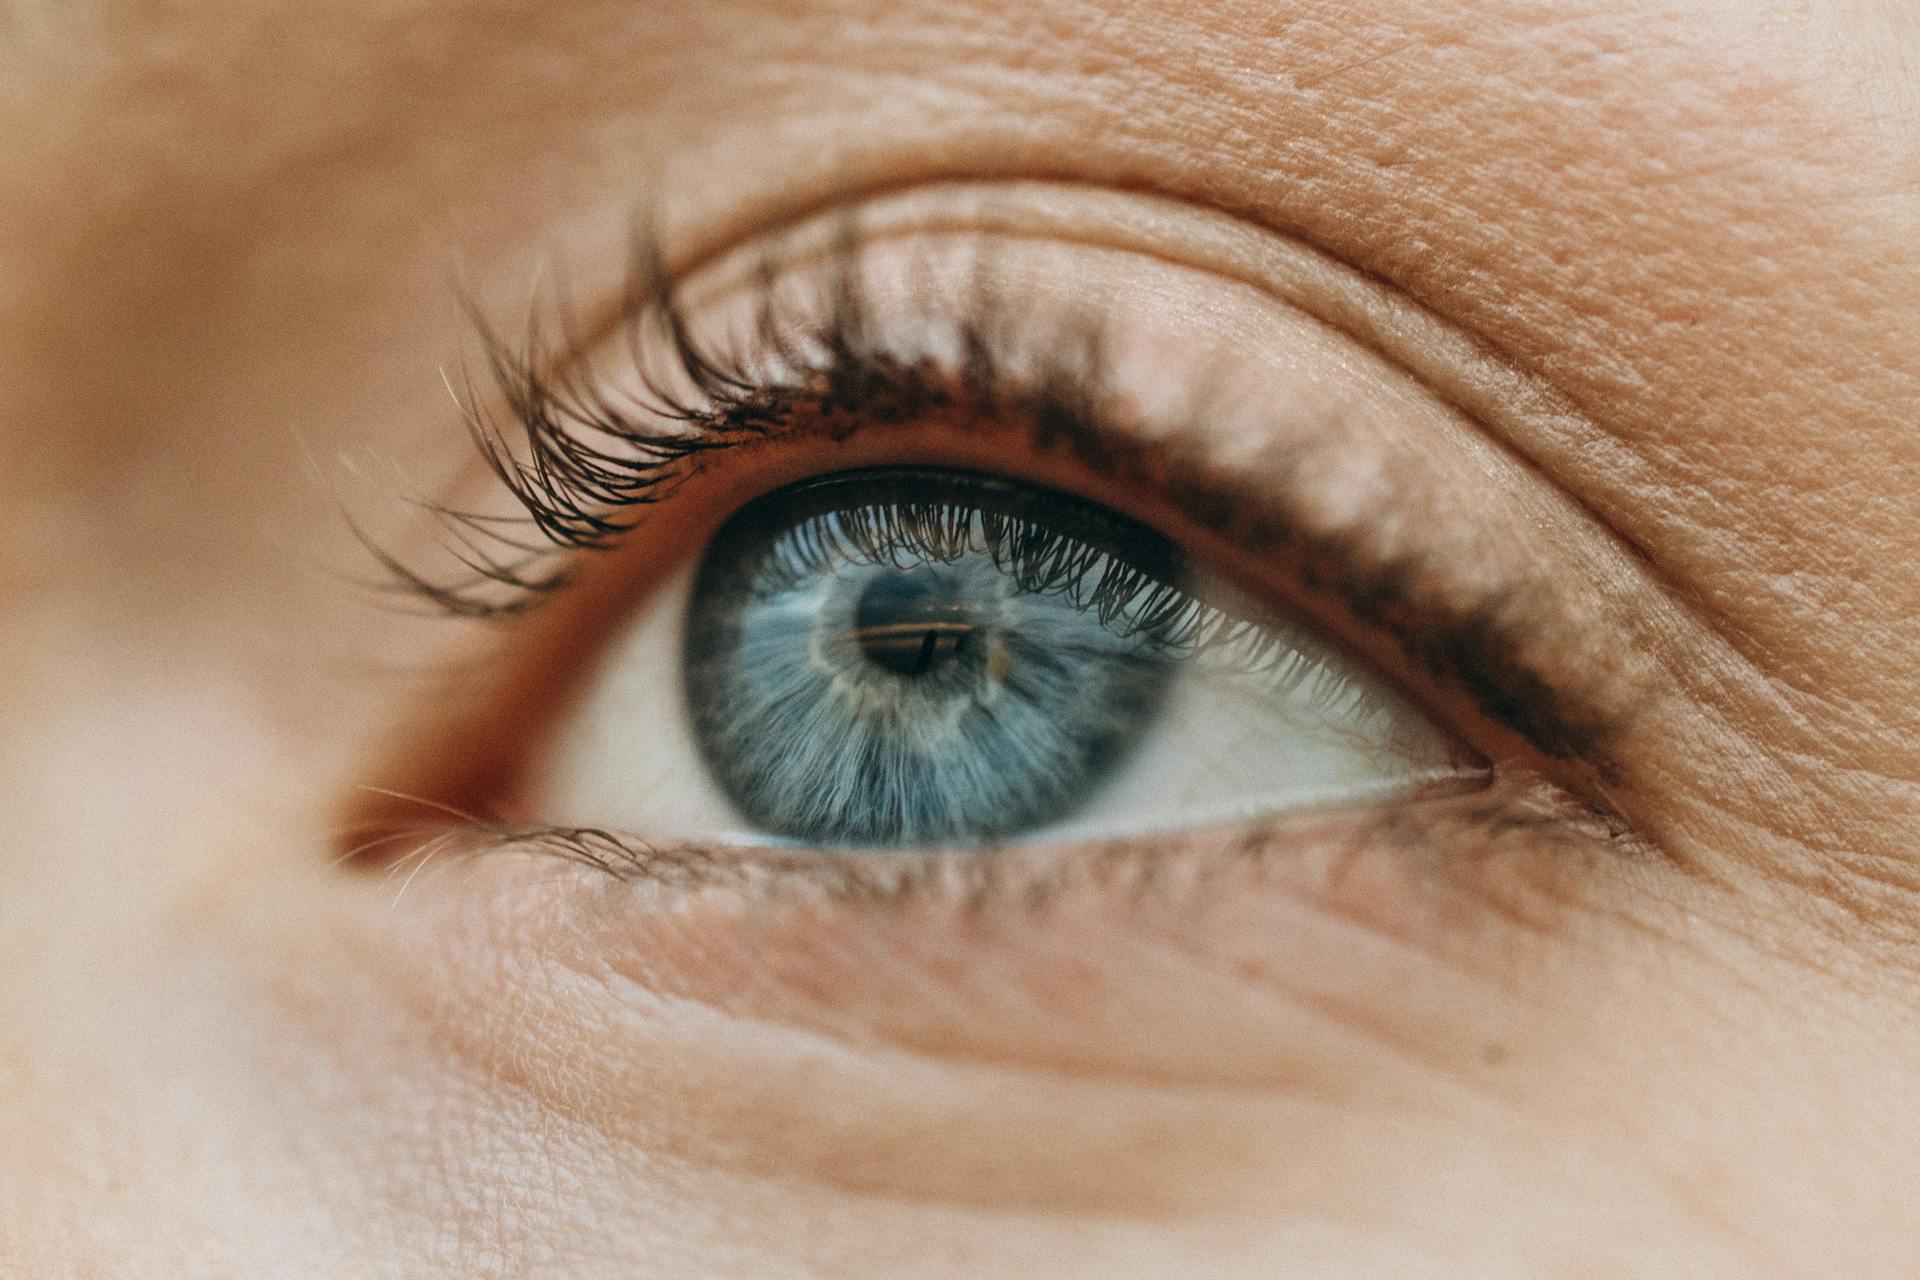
(916, 657)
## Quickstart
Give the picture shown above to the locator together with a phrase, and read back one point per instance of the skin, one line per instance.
(1659, 261)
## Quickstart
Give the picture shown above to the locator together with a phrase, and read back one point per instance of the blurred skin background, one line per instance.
(1634, 286)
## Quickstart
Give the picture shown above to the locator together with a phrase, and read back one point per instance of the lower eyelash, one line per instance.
(1452, 834)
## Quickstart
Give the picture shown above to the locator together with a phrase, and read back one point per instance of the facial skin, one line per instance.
(1655, 263)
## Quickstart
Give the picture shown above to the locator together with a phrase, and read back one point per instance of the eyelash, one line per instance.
(1466, 840)
(584, 463)
(581, 465)
(1048, 544)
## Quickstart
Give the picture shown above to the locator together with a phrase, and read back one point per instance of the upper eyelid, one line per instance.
(1455, 364)
(1458, 363)
(1461, 366)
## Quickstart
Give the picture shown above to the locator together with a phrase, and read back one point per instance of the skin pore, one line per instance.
(1646, 270)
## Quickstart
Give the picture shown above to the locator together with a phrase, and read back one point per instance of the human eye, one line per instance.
(877, 545)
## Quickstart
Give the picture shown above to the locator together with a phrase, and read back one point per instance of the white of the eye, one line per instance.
(1232, 745)
(625, 758)
(1225, 745)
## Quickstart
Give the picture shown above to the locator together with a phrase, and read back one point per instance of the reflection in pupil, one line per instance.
(910, 622)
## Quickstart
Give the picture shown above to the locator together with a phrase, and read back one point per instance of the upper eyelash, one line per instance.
(583, 462)
(1072, 552)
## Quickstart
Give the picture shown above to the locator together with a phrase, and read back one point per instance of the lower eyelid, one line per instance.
(937, 950)
(798, 1027)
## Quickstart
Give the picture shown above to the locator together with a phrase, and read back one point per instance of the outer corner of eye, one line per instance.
(913, 658)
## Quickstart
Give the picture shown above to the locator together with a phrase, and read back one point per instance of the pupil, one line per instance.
(910, 622)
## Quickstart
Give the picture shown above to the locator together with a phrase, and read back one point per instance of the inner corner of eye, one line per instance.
(920, 658)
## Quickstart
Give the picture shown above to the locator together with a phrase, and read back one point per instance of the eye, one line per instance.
(910, 657)
(851, 549)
